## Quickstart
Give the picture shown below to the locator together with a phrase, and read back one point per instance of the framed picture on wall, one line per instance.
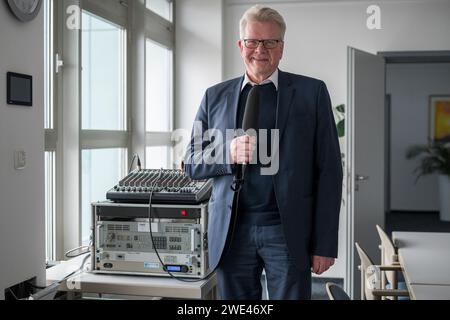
(440, 118)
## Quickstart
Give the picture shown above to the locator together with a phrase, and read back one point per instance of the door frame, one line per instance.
(397, 57)
(349, 174)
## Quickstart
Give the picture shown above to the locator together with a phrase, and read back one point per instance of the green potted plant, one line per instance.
(435, 159)
(339, 115)
(339, 118)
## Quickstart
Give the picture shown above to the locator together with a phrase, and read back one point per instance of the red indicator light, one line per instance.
(183, 213)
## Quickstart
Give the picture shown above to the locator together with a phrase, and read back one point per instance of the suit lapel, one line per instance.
(233, 102)
(285, 97)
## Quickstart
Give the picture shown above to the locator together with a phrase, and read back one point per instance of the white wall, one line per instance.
(22, 239)
(410, 86)
(198, 59)
(318, 33)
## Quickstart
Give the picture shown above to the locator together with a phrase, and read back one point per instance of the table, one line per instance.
(425, 259)
(129, 285)
(430, 292)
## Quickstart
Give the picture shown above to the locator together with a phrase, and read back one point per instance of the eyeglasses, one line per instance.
(268, 43)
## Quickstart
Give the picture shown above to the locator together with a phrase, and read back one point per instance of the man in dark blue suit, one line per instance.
(287, 221)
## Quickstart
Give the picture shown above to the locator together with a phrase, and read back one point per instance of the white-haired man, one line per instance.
(286, 223)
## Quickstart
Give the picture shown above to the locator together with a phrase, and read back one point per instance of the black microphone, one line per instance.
(250, 121)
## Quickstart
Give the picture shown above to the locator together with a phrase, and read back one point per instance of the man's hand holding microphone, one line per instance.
(242, 149)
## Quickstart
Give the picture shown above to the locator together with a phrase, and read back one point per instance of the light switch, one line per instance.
(20, 159)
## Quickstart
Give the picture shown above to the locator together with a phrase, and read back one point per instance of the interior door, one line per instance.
(366, 153)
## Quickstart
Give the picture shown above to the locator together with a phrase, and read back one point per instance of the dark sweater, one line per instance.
(257, 203)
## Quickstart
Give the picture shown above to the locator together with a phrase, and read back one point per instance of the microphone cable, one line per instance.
(154, 184)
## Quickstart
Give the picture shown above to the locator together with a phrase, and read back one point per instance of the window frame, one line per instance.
(50, 131)
(171, 9)
(50, 205)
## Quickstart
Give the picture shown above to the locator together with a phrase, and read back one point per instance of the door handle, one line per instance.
(361, 178)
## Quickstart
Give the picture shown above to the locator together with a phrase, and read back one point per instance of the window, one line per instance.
(161, 7)
(48, 97)
(50, 205)
(88, 146)
(103, 78)
(50, 143)
(103, 112)
(159, 105)
(102, 168)
(158, 157)
(158, 87)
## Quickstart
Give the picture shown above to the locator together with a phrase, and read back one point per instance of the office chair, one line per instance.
(335, 292)
(371, 288)
(389, 257)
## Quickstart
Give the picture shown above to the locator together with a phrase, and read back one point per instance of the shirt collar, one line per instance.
(273, 78)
